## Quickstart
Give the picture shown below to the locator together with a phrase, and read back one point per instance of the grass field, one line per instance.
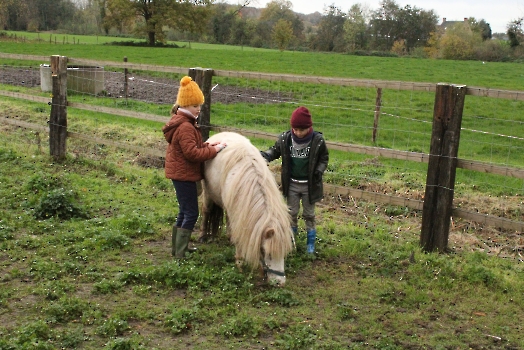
(85, 243)
(472, 73)
(97, 273)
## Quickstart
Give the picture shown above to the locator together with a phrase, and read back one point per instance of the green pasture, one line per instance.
(85, 247)
(472, 73)
(343, 113)
(85, 243)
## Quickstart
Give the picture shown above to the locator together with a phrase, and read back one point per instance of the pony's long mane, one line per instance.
(252, 201)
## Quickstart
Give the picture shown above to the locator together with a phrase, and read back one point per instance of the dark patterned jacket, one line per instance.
(318, 161)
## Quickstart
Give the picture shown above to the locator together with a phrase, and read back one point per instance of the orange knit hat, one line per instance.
(189, 93)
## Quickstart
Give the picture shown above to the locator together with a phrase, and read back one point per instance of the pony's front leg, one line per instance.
(239, 260)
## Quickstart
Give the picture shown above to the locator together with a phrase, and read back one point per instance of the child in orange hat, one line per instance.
(184, 157)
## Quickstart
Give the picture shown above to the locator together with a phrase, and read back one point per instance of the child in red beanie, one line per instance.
(304, 159)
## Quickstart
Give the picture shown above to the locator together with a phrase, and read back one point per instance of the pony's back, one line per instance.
(239, 181)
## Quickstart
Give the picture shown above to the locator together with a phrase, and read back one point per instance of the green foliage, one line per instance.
(180, 320)
(34, 335)
(240, 326)
(60, 203)
(113, 327)
(135, 225)
(72, 338)
(55, 289)
(7, 155)
(110, 240)
(298, 336)
(160, 182)
(280, 297)
(282, 34)
(346, 312)
(106, 286)
(42, 182)
(124, 344)
(184, 274)
(66, 309)
(6, 232)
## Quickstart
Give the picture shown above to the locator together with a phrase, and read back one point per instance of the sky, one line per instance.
(498, 13)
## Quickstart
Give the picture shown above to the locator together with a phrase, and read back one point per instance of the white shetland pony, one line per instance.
(239, 182)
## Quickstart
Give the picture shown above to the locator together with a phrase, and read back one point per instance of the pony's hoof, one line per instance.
(204, 239)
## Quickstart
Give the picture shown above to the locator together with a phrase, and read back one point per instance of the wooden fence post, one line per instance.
(378, 104)
(203, 77)
(126, 72)
(440, 181)
(58, 117)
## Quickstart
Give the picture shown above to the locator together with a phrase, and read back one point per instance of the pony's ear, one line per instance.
(269, 233)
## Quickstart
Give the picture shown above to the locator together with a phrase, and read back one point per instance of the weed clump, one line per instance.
(59, 203)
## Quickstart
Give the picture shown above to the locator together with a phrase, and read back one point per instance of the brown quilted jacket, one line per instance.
(186, 152)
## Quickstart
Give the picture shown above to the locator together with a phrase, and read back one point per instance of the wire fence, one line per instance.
(378, 132)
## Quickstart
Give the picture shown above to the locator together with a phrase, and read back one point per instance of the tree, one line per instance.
(355, 28)
(432, 45)
(242, 31)
(391, 23)
(282, 34)
(399, 47)
(86, 19)
(185, 15)
(13, 15)
(35, 14)
(415, 26)
(273, 12)
(221, 23)
(384, 25)
(516, 32)
(330, 34)
(481, 27)
(459, 42)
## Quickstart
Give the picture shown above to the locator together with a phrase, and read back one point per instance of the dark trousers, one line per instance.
(187, 196)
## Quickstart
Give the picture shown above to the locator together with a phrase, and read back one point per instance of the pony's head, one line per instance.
(273, 267)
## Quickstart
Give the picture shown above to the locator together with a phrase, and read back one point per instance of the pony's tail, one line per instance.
(212, 221)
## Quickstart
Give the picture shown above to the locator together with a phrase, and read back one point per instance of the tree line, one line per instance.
(388, 30)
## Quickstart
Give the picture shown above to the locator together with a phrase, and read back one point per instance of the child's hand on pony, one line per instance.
(219, 146)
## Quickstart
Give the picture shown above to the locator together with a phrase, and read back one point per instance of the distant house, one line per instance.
(446, 24)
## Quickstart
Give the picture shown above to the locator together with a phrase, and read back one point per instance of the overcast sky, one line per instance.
(498, 13)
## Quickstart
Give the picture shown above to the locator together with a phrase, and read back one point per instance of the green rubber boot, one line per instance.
(173, 240)
(181, 243)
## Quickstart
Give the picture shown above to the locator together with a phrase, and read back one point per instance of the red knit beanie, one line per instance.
(301, 118)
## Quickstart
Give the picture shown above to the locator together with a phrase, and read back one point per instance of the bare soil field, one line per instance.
(144, 88)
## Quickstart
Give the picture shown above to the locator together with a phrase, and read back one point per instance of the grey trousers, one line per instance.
(299, 192)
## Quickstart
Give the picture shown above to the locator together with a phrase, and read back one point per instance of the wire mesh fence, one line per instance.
(369, 116)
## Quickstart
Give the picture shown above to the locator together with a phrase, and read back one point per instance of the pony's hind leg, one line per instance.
(212, 221)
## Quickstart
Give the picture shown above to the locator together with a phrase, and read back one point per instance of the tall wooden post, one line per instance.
(203, 77)
(58, 117)
(378, 105)
(440, 182)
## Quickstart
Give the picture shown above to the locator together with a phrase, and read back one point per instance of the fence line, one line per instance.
(346, 147)
(367, 83)
(329, 188)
